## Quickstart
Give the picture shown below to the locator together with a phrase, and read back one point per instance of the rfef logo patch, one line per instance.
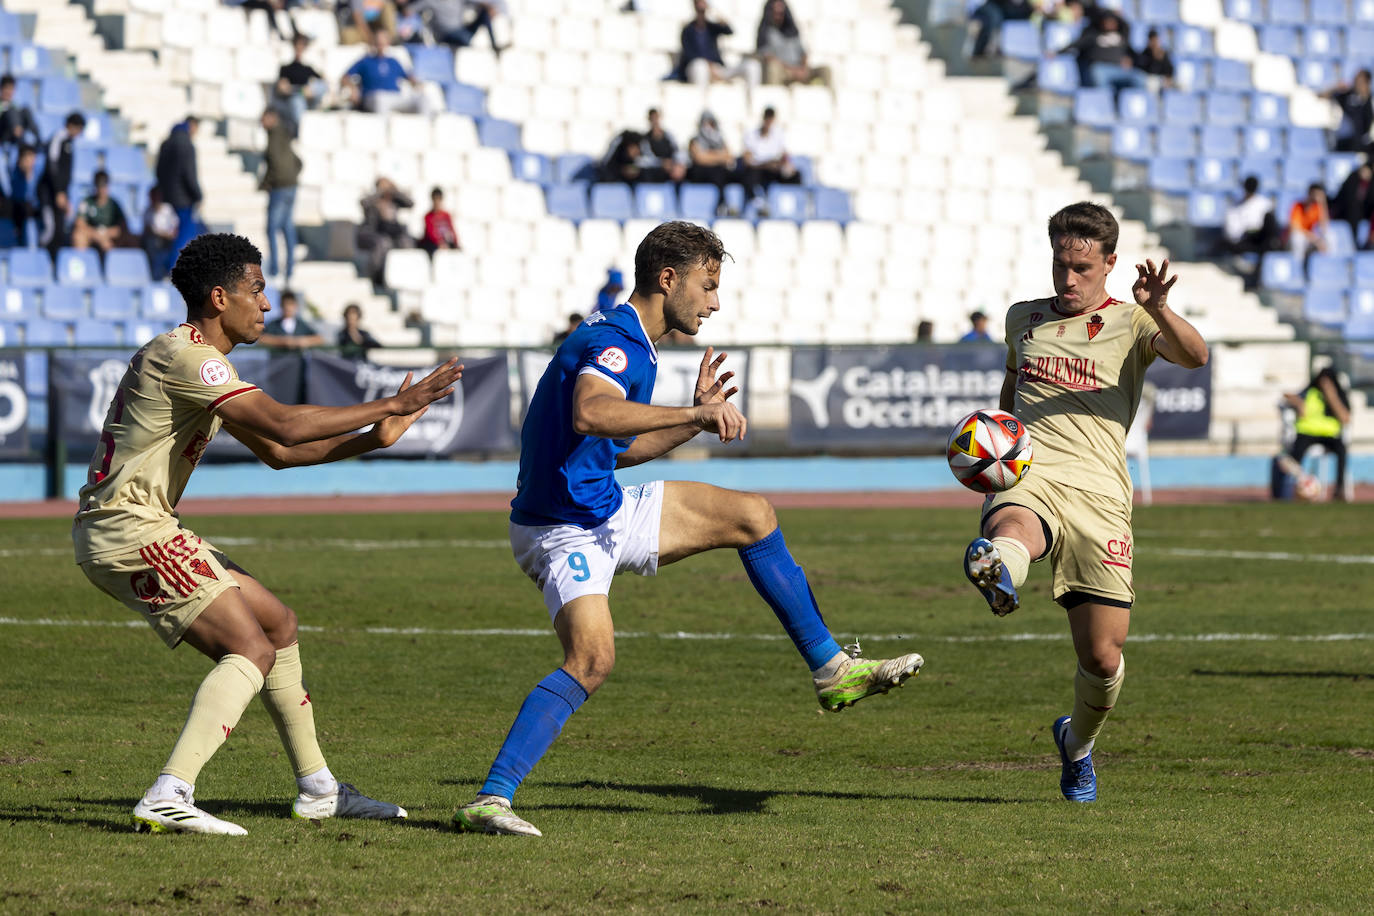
(614, 359)
(214, 372)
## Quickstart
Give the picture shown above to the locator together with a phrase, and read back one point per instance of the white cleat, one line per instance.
(492, 814)
(345, 801)
(175, 815)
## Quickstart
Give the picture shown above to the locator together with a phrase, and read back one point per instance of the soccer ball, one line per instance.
(989, 451)
(1309, 488)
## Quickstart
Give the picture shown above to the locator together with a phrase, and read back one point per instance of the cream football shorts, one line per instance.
(567, 562)
(1090, 549)
(168, 582)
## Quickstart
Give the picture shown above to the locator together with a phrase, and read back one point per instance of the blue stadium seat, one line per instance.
(1329, 12)
(1359, 326)
(787, 201)
(806, 169)
(78, 267)
(1094, 107)
(1225, 109)
(41, 332)
(498, 133)
(11, 333)
(1214, 173)
(1020, 40)
(160, 302)
(60, 94)
(465, 100)
(1192, 72)
(656, 201)
(567, 200)
(832, 204)
(1268, 110)
(30, 267)
(1231, 74)
(114, 303)
(1316, 74)
(1220, 141)
(1325, 306)
(734, 197)
(30, 60)
(1158, 12)
(138, 331)
(1363, 11)
(1287, 12)
(1191, 41)
(1133, 142)
(1262, 141)
(1265, 168)
(1306, 141)
(1328, 271)
(1361, 302)
(1171, 174)
(10, 30)
(1058, 74)
(1056, 35)
(1137, 105)
(1206, 209)
(574, 167)
(1296, 173)
(1364, 269)
(698, 201)
(91, 333)
(1338, 168)
(127, 165)
(1177, 140)
(17, 304)
(1340, 238)
(1280, 39)
(127, 267)
(1323, 41)
(1280, 270)
(531, 167)
(433, 64)
(1182, 107)
(85, 161)
(612, 201)
(64, 303)
(1360, 36)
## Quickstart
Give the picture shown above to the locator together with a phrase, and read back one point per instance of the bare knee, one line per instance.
(1101, 660)
(262, 654)
(757, 519)
(590, 666)
(282, 631)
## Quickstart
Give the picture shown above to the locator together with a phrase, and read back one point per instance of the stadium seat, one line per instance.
(1058, 74)
(64, 303)
(1171, 174)
(17, 304)
(1265, 168)
(1182, 107)
(1298, 173)
(498, 133)
(833, 204)
(1287, 12)
(10, 29)
(11, 333)
(1133, 142)
(1340, 238)
(1094, 107)
(30, 267)
(1178, 140)
(1233, 75)
(1280, 270)
(59, 94)
(1192, 73)
(1359, 326)
(160, 302)
(1137, 105)
(1317, 75)
(1364, 269)
(531, 167)
(1219, 141)
(1328, 271)
(1280, 39)
(1360, 37)
(788, 202)
(465, 100)
(91, 333)
(1056, 35)
(43, 332)
(1325, 306)
(1330, 12)
(127, 267)
(1214, 173)
(1338, 166)
(30, 60)
(611, 201)
(656, 201)
(1225, 109)
(1267, 109)
(1261, 141)
(1192, 41)
(567, 200)
(78, 267)
(113, 303)
(574, 167)
(1020, 40)
(698, 201)
(1206, 209)
(433, 64)
(1159, 12)
(127, 165)
(1323, 42)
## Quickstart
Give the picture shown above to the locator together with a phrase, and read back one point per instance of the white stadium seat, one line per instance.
(407, 269)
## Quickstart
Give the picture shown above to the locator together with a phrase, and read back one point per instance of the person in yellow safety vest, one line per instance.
(1323, 411)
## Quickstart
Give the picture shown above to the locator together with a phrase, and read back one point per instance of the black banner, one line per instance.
(1182, 401)
(81, 386)
(14, 404)
(475, 418)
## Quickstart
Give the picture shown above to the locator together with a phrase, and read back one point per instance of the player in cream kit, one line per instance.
(1075, 369)
(178, 391)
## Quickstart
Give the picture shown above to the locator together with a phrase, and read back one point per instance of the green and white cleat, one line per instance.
(346, 801)
(177, 815)
(492, 814)
(859, 678)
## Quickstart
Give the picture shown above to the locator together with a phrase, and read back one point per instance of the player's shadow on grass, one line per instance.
(115, 817)
(1340, 675)
(717, 800)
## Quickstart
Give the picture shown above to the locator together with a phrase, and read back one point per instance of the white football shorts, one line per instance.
(567, 562)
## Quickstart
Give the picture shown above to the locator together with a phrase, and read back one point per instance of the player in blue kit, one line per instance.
(572, 527)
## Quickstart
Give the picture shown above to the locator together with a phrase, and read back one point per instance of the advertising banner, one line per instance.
(1182, 400)
(14, 404)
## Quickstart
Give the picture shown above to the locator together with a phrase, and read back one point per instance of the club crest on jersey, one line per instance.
(1094, 325)
(614, 359)
(214, 372)
(201, 568)
(1060, 332)
(196, 448)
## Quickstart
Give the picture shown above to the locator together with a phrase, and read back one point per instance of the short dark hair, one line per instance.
(677, 244)
(1250, 184)
(1316, 186)
(1086, 221)
(653, 112)
(100, 177)
(211, 260)
(288, 296)
(436, 191)
(76, 119)
(769, 113)
(6, 80)
(355, 308)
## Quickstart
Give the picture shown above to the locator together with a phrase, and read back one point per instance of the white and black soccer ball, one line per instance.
(989, 451)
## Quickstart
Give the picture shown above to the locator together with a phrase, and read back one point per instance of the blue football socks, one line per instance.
(542, 716)
(782, 583)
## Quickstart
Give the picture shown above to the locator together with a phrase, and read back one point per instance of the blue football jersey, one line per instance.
(565, 478)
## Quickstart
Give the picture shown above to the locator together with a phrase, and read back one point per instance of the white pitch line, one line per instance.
(753, 637)
(1269, 555)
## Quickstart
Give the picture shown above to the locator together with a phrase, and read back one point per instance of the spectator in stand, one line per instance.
(1104, 53)
(624, 160)
(381, 229)
(700, 62)
(766, 160)
(100, 221)
(361, 20)
(990, 17)
(451, 24)
(711, 162)
(439, 231)
(1309, 223)
(354, 341)
(1249, 226)
(379, 83)
(979, 330)
(159, 234)
(24, 192)
(179, 178)
(290, 331)
(279, 181)
(1155, 63)
(299, 81)
(780, 47)
(55, 184)
(609, 295)
(574, 320)
(275, 10)
(1357, 115)
(660, 156)
(17, 125)
(925, 332)
(1323, 416)
(1354, 202)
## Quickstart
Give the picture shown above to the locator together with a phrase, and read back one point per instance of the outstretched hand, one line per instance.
(711, 388)
(391, 429)
(438, 384)
(1151, 289)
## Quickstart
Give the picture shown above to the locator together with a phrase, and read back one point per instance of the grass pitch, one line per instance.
(1236, 772)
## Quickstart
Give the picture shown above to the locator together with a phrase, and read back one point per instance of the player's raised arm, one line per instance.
(600, 409)
(295, 424)
(1179, 342)
(710, 389)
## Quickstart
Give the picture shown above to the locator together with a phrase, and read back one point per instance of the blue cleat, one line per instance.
(984, 567)
(1077, 780)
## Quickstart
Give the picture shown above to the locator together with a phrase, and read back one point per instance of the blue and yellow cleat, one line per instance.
(984, 567)
(1077, 779)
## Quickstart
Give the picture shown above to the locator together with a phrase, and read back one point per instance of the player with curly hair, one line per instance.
(177, 393)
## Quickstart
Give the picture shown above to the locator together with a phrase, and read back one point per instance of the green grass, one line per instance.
(1234, 774)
